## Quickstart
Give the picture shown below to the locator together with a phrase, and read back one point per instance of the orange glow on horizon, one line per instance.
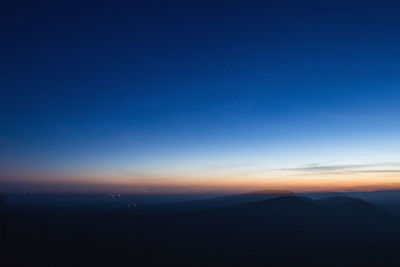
(191, 183)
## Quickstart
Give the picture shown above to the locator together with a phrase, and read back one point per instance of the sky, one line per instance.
(199, 96)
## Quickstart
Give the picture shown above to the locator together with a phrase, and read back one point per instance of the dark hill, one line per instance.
(283, 230)
(338, 200)
(334, 228)
(281, 205)
(224, 201)
(320, 195)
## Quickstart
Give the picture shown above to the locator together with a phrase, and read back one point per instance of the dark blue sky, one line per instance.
(173, 87)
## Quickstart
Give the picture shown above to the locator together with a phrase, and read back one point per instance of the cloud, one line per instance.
(378, 171)
(382, 167)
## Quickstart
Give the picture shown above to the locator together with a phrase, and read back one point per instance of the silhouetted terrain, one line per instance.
(256, 229)
(223, 201)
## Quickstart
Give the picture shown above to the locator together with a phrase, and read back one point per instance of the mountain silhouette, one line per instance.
(296, 208)
(224, 201)
(279, 228)
(338, 200)
(298, 226)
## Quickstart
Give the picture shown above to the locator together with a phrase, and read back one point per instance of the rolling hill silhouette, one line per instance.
(224, 201)
(260, 228)
(299, 226)
(294, 210)
(338, 200)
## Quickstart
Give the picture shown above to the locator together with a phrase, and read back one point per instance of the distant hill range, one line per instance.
(261, 228)
(311, 231)
(223, 201)
(294, 209)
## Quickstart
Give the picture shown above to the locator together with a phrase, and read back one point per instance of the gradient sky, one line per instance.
(198, 96)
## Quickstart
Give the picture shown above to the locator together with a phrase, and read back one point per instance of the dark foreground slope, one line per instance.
(279, 231)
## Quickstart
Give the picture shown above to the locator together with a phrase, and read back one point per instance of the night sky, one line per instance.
(198, 96)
